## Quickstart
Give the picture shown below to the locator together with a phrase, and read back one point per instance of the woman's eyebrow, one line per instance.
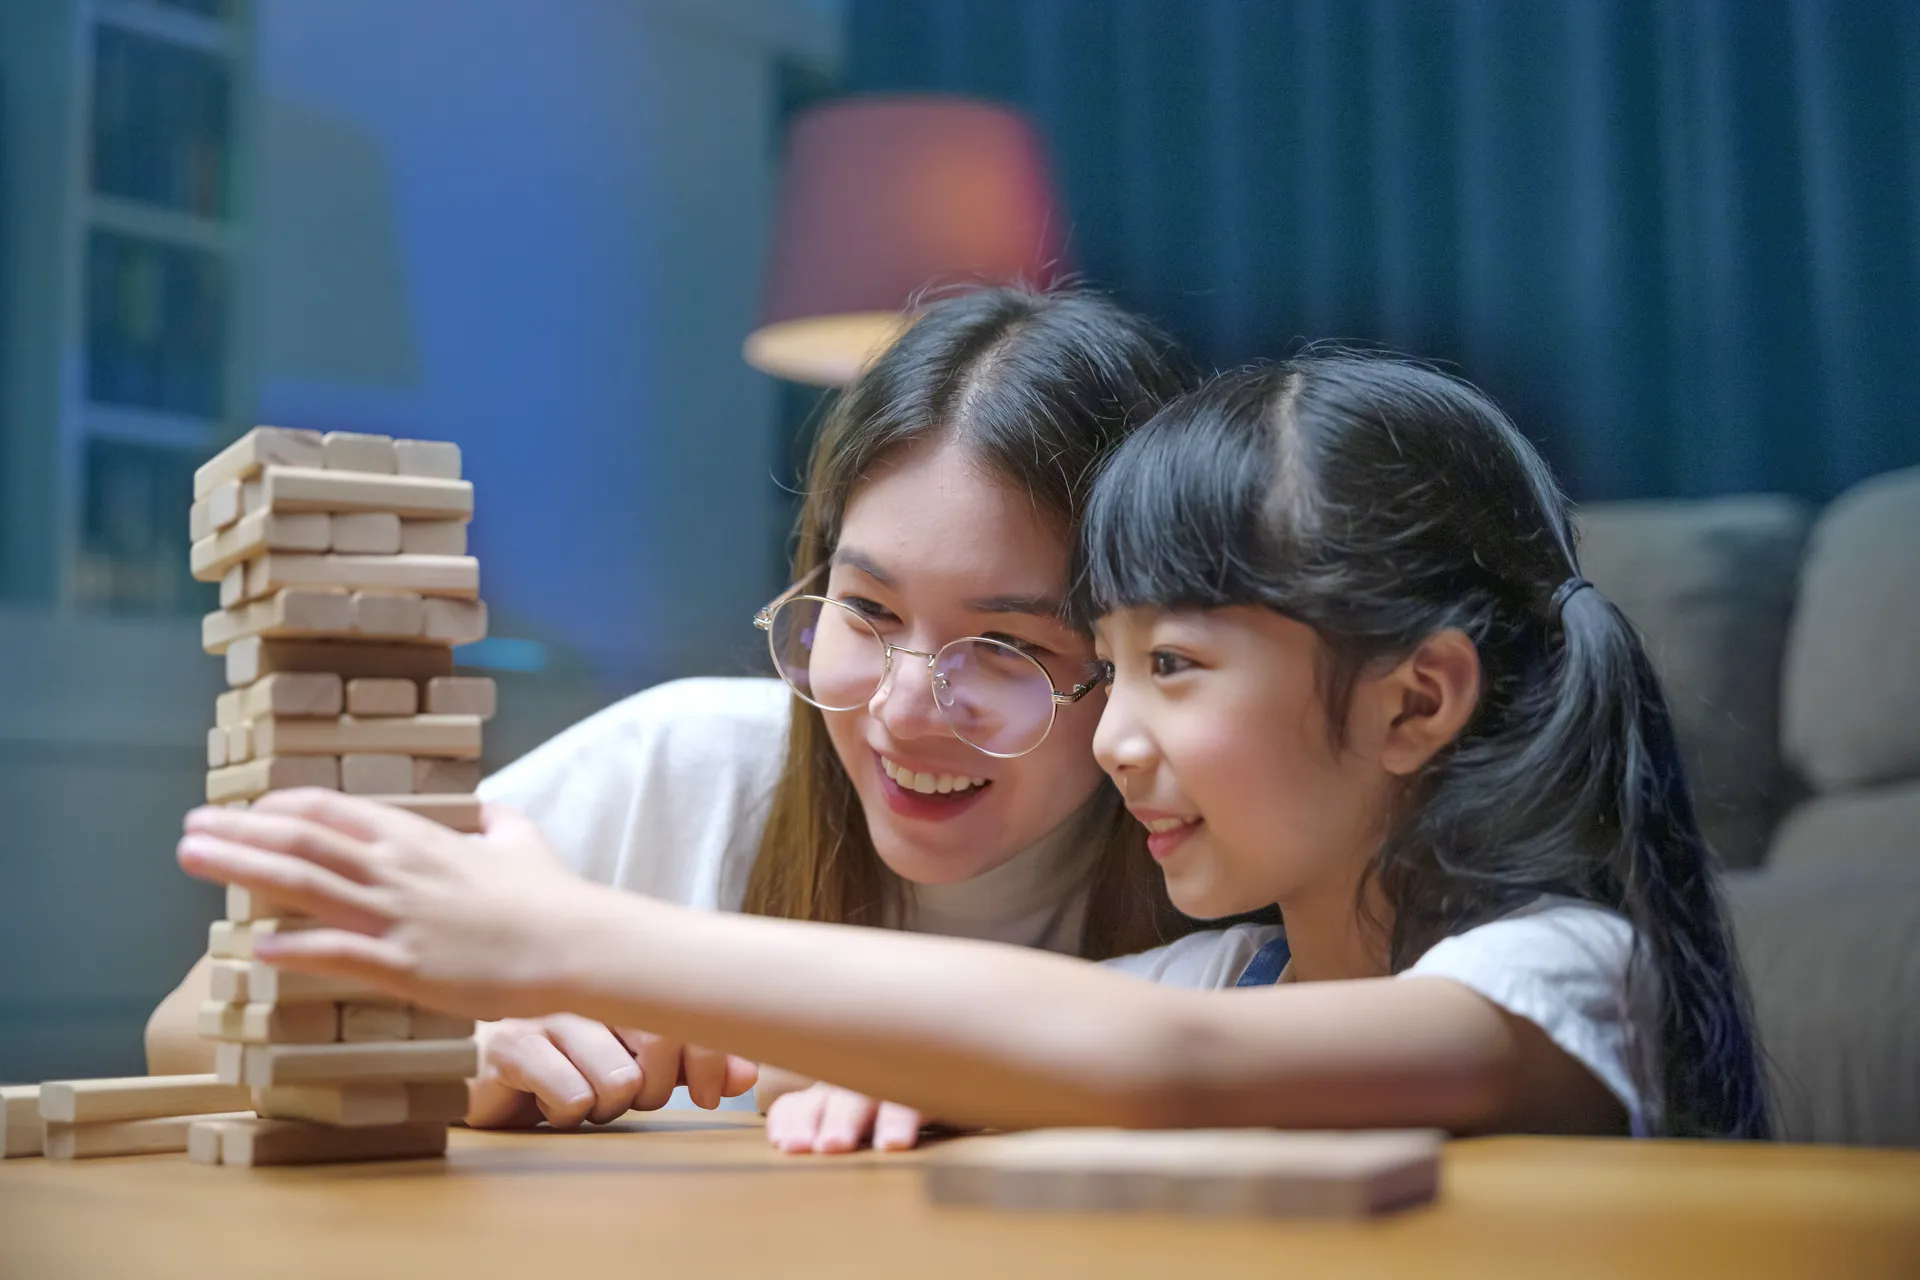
(1039, 606)
(863, 562)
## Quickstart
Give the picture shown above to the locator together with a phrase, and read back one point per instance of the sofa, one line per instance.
(1788, 640)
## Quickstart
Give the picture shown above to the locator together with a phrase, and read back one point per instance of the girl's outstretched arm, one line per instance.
(974, 1032)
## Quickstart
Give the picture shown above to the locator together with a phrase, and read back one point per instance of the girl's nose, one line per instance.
(1121, 742)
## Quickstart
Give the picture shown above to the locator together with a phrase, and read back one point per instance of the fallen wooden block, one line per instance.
(126, 1137)
(263, 1023)
(437, 458)
(203, 1141)
(384, 696)
(354, 451)
(367, 533)
(461, 696)
(22, 1132)
(1218, 1171)
(445, 777)
(136, 1098)
(309, 489)
(258, 1142)
(366, 1022)
(455, 576)
(457, 737)
(433, 537)
(293, 612)
(370, 774)
(454, 621)
(267, 984)
(457, 812)
(256, 449)
(272, 773)
(254, 657)
(252, 535)
(269, 1065)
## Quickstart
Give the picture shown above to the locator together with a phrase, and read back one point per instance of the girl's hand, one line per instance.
(479, 925)
(566, 1069)
(825, 1119)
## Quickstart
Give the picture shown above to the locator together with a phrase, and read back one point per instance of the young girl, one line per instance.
(945, 488)
(1354, 672)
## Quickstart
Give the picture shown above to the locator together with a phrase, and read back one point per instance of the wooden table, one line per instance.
(703, 1196)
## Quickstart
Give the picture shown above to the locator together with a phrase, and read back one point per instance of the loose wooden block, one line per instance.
(351, 1105)
(267, 984)
(294, 612)
(293, 693)
(270, 1065)
(456, 737)
(137, 1098)
(223, 504)
(257, 448)
(230, 940)
(455, 621)
(301, 489)
(260, 1142)
(1217, 1171)
(233, 586)
(457, 576)
(394, 614)
(272, 773)
(433, 537)
(262, 1023)
(437, 458)
(126, 1137)
(250, 659)
(352, 451)
(365, 1022)
(216, 748)
(368, 533)
(433, 777)
(240, 743)
(461, 696)
(227, 979)
(365, 774)
(211, 557)
(431, 1024)
(22, 1132)
(458, 813)
(382, 696)
(203, 1141)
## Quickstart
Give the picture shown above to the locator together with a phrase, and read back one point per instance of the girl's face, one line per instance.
(932, 549)
(1216, 734)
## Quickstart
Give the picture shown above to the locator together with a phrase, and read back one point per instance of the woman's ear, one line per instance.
(1427, 700)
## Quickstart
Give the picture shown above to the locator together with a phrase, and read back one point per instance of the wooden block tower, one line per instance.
(344, 585)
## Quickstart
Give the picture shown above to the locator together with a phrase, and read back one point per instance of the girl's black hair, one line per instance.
(1379, 503)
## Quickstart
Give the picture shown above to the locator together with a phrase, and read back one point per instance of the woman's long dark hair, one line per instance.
(1037, 386)
(1379, 503)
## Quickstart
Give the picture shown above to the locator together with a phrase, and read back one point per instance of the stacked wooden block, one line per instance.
(344, 585)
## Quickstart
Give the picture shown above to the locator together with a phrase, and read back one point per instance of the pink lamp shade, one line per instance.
(882, 198)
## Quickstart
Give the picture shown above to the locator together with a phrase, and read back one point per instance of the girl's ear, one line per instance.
(1427, 700)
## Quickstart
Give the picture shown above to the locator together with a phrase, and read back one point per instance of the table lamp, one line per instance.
(883, 198)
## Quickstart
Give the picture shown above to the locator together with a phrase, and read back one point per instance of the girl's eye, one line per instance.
(1168, 664)
(868, 609)
(1027, 647)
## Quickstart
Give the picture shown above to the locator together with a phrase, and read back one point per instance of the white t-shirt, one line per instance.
(666, 793)
(1560, 963)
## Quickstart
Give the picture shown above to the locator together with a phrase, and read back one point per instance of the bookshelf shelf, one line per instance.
(154, 222)
(152, 428)
(170, 23)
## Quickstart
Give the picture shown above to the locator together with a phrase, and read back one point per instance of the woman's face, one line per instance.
(931, 549)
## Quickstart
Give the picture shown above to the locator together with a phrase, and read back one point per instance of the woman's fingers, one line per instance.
(742, 1075)
(659, 1071)
(352, 816)
(704, 1072)
(793, 1121)
(534, 1065)
(311, 888)
(896, 1128)
(492, 1103)
(601, 1059)
(847, 1122)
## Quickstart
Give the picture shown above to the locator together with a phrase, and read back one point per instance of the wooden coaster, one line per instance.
(1206, 1171)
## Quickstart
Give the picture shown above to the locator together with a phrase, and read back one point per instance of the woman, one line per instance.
(950, 788)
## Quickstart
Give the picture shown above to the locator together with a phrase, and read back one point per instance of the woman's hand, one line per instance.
(825, 1119)
(566, 1070)
(480, 925)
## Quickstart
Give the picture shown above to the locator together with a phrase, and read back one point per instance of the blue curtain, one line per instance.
(1678, 239)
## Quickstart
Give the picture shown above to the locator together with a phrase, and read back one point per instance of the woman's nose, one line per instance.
(904, 702)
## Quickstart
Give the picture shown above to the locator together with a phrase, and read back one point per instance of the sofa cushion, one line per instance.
(1876, 827)
(1834, 960)
(1852, 697)
(1710, 585)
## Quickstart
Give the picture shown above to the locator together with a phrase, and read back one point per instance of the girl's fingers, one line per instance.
(535, 1066)
(659, 1072)
(742, 1075)
(296, 837)
(352, 816)
(847, 1123)
(793, 1122)
(896, 1128)
(378, 962)
(492, 1103)
(704, 1072)
(306, 886)
(601, 1059)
